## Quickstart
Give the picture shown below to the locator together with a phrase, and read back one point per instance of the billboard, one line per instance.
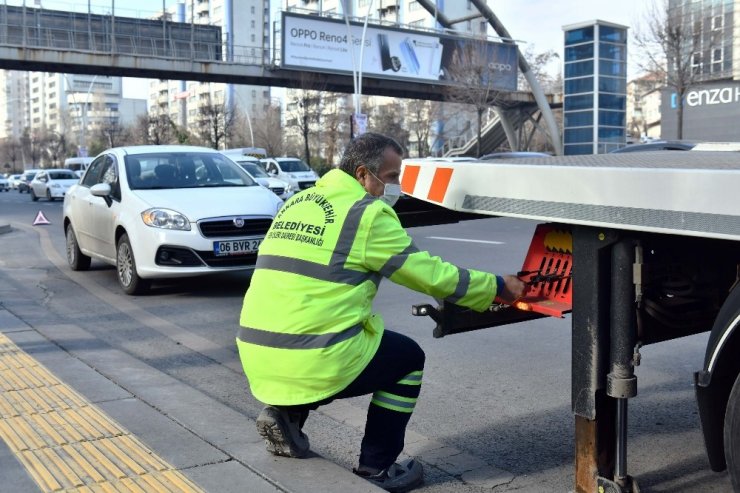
(321, 44)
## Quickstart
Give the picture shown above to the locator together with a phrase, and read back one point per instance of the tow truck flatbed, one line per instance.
(667, 192)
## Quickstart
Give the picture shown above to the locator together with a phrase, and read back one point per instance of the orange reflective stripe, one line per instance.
(408, 180)
(440, 183)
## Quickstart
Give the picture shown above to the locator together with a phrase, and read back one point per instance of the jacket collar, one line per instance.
(339, 179)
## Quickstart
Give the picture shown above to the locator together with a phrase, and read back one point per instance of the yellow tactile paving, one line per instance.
(68, 444)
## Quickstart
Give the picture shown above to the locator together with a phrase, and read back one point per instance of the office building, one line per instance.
(594, 93)
(712, 102)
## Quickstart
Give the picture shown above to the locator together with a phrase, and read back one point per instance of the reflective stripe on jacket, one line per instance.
(307, 327)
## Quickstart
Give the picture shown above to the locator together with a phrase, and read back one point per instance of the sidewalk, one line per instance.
(211, 444)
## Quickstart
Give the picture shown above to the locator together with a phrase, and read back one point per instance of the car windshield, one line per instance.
(62, 175)
(293, 165)
(253, 169)
(166, 170)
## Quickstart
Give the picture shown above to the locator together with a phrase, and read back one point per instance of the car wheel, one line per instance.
(48, 196)
(129, 280)
(75, 258)
(33, 195)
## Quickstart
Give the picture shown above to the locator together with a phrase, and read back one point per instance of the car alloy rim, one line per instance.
(70, 246)
(125, 267)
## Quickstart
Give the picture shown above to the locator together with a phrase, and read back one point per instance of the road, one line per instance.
(494, 412)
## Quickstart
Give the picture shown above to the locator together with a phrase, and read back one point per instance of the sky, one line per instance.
(531, 22)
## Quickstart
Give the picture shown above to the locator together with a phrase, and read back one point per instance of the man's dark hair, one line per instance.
(367, 149)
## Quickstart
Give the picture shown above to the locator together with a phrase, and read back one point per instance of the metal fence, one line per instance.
(107, 34)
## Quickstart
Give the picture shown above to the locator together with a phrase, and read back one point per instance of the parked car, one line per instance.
(52, 183)
(166, 211)
(4, 184)
(25, 184)
(291, 170)
(14, 181)
(658, 145)
(251, 165)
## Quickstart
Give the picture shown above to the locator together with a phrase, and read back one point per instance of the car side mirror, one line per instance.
(103, 191)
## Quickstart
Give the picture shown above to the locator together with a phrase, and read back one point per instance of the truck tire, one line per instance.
(732, 412)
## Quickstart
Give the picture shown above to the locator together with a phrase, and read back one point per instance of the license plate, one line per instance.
(236, 247)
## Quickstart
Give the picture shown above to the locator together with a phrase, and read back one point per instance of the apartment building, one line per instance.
(246, 35)
(643, 108)
(14, 108)
(72, 105)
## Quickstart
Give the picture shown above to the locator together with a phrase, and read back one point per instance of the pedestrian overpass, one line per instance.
(36, 39)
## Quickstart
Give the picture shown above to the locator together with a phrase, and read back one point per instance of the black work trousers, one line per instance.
(387, 374)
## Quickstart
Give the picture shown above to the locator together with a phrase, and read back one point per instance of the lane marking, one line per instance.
(65, 442)
(465, 240)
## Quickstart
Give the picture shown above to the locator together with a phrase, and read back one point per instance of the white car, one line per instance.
(52, 184)
(291, 170)
(14, 181)
(4, 184)
(278, 187)
(166, 211)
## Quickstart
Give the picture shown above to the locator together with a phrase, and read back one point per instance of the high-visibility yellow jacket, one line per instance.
(307, 327)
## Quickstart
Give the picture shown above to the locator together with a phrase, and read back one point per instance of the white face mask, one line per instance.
(391, 194)
(391, 191)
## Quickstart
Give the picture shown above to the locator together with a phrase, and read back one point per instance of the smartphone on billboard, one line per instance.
(409, 55)
(387, 62)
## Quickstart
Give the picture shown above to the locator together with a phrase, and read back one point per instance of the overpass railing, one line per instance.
(113, 35)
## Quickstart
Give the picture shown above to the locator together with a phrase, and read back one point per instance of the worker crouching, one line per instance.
(319, 267)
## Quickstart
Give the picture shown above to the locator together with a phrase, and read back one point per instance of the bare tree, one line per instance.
(336, 117)
(11, 153)
(474, 81)
(388, 119)
(54, 146)
(112, 132)
(422, 116)
(155, 128)
(215, 124)
(539, 65)
(268, 130)
(306, 108)
(31, 145)
(672, 48)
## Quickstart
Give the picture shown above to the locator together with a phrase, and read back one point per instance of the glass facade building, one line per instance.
(595, 92)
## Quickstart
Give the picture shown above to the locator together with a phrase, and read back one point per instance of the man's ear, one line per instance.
(360, 173)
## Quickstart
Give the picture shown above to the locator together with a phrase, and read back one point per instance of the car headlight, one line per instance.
(165, 218)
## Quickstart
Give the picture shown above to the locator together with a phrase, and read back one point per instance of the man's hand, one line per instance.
(513, 289)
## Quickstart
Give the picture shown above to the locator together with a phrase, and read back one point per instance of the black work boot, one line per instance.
(281, 430)
(398, 478)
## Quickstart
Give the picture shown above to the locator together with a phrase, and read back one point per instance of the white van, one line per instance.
(251, 165)
(78, 164)
(292, 170)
